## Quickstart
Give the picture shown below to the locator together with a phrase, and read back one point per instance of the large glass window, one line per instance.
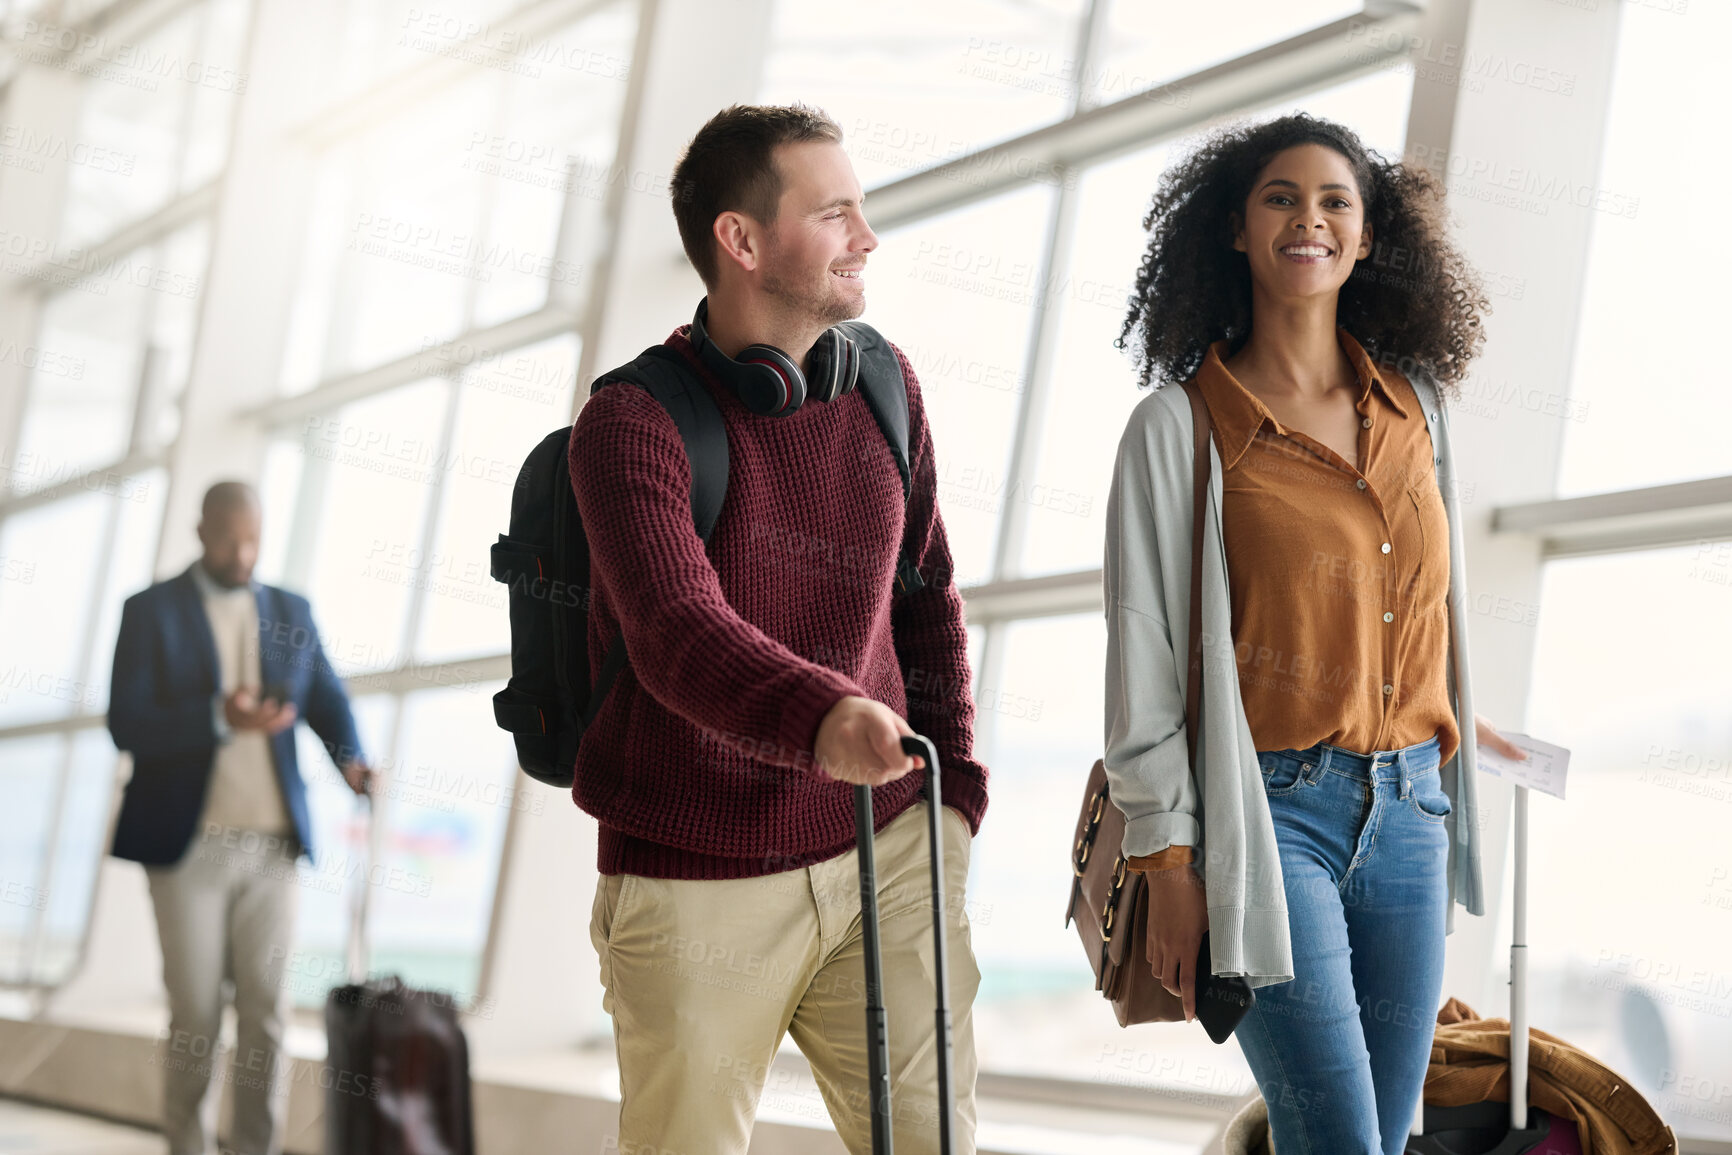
(1637, 380)
(1630, 875)
(156, 116)
(382, 459)
(111, 361)
(65, 569)
(379, 39)
(914, 84)
(28, 768)
(1147, 45)
(482, 205)
(505, 405)
(426, 227)
(341, 836)
(1093, 390)
(1037, 1012)
(448, 788)
(957, 293)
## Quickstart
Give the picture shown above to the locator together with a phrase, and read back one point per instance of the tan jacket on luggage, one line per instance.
(1470, 1064)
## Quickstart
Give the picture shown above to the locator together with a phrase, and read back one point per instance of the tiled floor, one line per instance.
(27, 1129)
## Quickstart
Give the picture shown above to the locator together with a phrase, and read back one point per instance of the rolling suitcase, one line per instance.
(396, 1061)
(1491, 1127)
(877, 1029)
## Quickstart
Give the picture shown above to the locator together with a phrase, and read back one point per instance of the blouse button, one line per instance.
(1389, 689)
(1385, 547)
(1366, 423)
(1360, 483)
(1388, 617)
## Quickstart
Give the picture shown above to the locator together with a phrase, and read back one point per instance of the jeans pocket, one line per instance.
(1428, 799)
(1283, 773)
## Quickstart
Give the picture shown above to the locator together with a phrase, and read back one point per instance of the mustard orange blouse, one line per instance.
(1339, 577)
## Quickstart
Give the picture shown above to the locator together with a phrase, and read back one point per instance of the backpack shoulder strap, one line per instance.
(886, 392)
(669, 379)
(665, 375)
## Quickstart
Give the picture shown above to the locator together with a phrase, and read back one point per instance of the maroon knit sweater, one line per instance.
(700, 763)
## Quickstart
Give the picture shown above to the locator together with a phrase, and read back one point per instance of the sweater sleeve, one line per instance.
(685, 644)
(1147, 761)
(930, 631)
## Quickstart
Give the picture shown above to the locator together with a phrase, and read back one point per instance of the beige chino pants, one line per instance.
(226, 914)
(704, 978)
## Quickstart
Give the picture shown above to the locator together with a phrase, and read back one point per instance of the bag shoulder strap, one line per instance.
(1201, 429)
(661, 371)
(885, 390)
(664, 373)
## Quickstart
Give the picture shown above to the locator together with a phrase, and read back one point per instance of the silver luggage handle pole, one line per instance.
(877, 1028)
(1518, 972)
(941, 971)
(359, 950)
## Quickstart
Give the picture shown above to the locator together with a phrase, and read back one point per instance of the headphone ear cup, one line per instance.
(835, 365)
(771, 384)
(827, 356)
(848, 363)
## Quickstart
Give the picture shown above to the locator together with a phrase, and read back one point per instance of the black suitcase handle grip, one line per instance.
(920, 745)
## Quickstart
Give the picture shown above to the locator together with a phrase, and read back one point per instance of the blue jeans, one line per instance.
(1340, 1052)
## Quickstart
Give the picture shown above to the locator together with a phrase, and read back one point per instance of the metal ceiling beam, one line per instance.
(1328, 54)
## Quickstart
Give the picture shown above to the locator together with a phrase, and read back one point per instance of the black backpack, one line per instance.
(544, 560)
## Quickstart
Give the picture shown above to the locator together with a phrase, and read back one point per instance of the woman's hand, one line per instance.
(1486, 735)
(1178, 915)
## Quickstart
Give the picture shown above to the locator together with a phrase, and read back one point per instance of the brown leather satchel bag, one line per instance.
(1107, 903)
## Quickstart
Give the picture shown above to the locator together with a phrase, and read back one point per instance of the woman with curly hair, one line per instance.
(1305, 289)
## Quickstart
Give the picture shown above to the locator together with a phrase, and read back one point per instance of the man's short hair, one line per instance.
(730, 167)
(226, 497)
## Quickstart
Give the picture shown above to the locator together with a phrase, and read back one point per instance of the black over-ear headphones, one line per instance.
(767, 381)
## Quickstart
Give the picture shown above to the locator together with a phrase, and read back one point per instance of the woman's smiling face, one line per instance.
(1303, 226)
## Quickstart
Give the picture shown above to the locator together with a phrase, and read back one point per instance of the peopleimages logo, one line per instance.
(1513, 184)
(142, 66)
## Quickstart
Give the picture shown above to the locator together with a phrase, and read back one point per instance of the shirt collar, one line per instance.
(211, 588)
(1238, 414)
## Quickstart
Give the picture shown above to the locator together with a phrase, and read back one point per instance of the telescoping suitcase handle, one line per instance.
(877, 1027)
(358, 950)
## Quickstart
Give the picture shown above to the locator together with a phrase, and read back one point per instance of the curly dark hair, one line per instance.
(1415, 299)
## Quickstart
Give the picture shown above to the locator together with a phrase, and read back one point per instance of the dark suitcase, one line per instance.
(877, 1028)
(396, 1061)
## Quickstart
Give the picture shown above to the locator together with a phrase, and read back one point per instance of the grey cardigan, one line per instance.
(1224, 813)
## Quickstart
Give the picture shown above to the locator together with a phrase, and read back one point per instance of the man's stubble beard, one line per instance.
(819, 300)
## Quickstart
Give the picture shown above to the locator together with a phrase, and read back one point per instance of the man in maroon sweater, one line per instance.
(767, 673)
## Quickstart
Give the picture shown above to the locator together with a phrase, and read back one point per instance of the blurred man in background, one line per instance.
(211, 671)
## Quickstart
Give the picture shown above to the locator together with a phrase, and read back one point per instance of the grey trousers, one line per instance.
(226, 911)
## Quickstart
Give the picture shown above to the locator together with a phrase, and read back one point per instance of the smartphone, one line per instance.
(1221, 1001)
(274, 692)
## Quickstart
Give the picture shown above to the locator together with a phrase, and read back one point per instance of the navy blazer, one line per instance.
(166, 678)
